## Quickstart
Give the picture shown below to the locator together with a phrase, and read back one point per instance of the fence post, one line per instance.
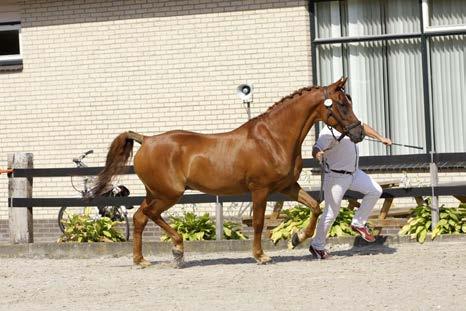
(20, 219)
(219, 219)
(433, 168)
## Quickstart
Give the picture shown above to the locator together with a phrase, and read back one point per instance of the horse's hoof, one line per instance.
(263, 259)
(142, 263)
(295, 240)
(178, 258)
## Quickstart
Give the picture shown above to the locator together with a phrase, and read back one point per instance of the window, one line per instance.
(405, 81)
(10, 45)
(444, 15)
(447, 71)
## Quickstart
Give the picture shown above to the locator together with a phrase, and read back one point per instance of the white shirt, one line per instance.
(343, 155)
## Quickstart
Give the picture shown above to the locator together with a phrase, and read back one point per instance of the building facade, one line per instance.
(74, 74)
(93, 69)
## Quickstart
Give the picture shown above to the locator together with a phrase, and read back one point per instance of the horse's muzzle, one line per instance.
(357, 134)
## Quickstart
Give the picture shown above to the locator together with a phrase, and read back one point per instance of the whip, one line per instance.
(396, 144)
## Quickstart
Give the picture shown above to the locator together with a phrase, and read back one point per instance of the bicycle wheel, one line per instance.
(67, 212)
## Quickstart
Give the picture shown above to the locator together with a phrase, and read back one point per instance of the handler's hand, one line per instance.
(320, 155)
(386, 141)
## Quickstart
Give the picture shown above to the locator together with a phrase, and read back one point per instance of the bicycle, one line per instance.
(115, 213)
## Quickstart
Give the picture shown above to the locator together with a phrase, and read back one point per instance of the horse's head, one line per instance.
(337, 111)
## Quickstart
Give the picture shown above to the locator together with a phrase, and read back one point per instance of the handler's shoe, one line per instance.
(319, 254)
(364, 232)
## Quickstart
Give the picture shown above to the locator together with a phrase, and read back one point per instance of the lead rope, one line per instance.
(323, 166)
(322, 179)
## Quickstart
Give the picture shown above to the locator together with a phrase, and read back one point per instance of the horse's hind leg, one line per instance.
(154, 211)
(139, 222)
(259, 199)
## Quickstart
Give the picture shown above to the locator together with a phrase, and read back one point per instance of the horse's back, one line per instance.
(210, 163)
(186, 141)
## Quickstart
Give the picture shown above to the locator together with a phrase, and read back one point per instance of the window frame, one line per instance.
(12, 59)
(424, 35)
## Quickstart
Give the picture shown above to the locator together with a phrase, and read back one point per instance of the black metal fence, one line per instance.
(421, 162)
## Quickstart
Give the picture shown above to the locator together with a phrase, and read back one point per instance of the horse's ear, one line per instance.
(341, 83)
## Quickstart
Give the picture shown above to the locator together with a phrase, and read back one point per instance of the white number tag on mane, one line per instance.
(328, 103)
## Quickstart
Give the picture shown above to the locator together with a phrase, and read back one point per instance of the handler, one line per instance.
(340, 158)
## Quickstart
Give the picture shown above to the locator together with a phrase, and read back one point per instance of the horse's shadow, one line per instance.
(359, 248)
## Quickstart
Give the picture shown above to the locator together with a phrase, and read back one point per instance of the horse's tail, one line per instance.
(118, 155)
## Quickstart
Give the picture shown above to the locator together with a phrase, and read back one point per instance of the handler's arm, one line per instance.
(373, 133)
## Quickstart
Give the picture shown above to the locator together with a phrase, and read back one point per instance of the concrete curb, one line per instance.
(96, 250)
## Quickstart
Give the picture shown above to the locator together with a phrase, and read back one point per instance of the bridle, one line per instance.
(329, 104)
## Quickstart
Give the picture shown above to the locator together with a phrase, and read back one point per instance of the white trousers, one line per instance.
(335, 186)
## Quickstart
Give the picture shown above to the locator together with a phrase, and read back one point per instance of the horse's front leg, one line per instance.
(259, 200)
(298, 194)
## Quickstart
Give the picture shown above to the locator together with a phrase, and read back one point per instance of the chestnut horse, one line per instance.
(261, 156)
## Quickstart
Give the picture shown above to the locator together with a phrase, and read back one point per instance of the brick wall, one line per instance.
(93, 69)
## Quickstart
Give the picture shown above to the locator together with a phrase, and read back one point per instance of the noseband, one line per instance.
(328, 104)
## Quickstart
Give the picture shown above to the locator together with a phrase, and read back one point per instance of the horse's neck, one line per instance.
(291, 122)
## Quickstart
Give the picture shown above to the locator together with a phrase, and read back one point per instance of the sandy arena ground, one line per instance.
(401, 277)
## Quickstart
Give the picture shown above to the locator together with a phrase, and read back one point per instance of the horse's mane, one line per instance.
(285, 98)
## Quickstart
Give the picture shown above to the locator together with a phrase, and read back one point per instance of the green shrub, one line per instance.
(342, 224)
(232, 231)
(197, 228)
(298, 218)
(451, 221)
(82, 228)
(418, 224)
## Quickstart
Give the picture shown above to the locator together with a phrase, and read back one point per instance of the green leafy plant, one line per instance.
(192, 227)
(197, 228)
(82, 228)
(296, 219)
(418, 224)
(452, 221)
(232, 231)
(342, 224)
